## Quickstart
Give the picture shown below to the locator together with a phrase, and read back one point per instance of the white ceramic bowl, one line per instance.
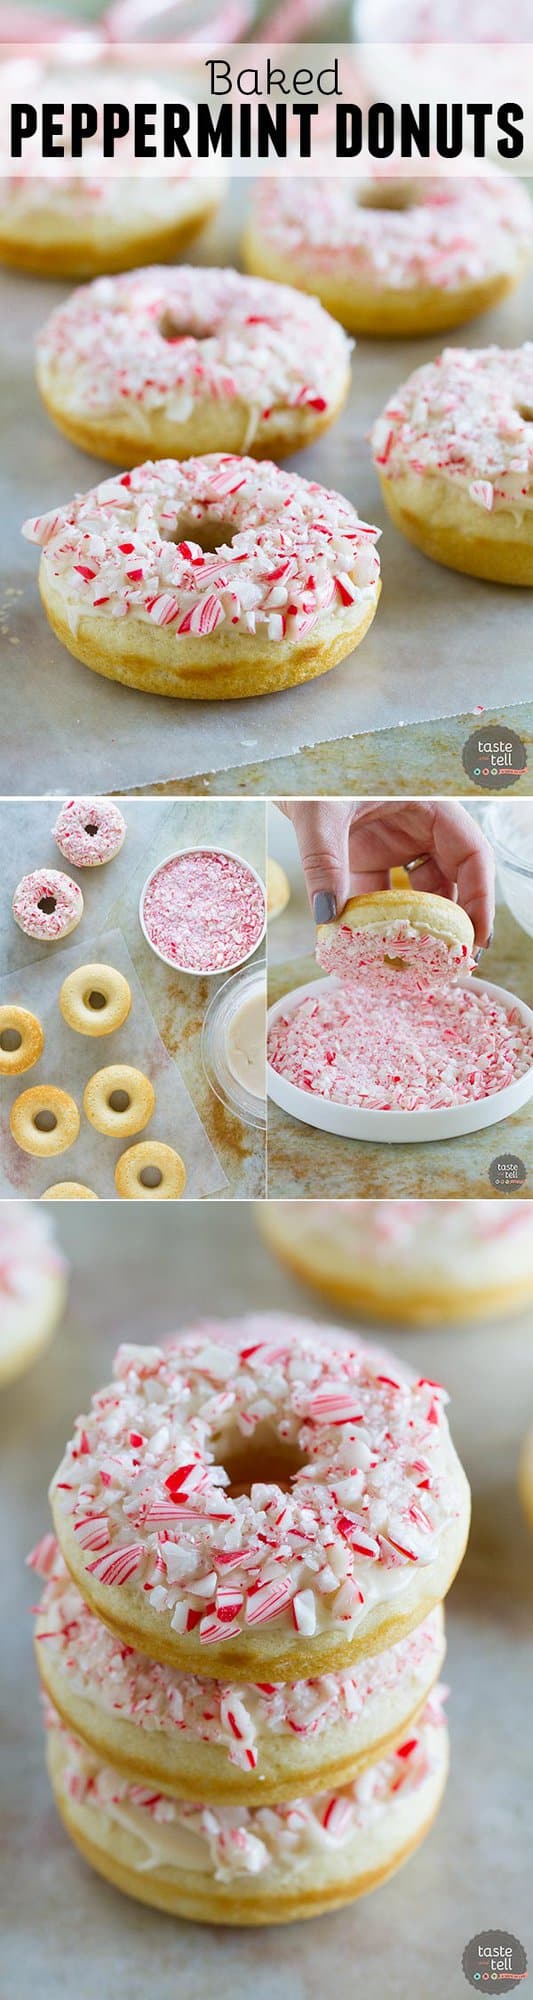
(202, 847)
(220, 1013)
(508, 824)
(393, 1128)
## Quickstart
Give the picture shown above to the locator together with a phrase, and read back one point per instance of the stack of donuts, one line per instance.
(241, 1629)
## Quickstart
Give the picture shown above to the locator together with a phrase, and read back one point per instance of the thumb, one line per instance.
(323, 841)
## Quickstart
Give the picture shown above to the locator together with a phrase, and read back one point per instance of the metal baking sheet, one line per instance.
(440, 643)
(65, 1931)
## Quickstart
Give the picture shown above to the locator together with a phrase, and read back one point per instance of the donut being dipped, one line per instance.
(403, 936)
(453, 449)
(259, 1438)
(390, 255)
(216, 577)
(173, 363)
(216, 1740)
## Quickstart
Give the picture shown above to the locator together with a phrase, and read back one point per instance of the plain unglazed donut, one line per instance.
(210, 578)
(69, 1191)
(44, 1100)
(290, 1456)
(98, 984)
(218, 1741)
(151, 1158)
(422, 1263)
(403, 936)
(119, 1081)
(47, 904)
(21, 1040)
(89, 832)
(453, 449)
(393, 256)
(251, 1865)
(178, 362)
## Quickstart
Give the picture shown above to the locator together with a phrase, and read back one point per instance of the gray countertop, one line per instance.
(67, 1935)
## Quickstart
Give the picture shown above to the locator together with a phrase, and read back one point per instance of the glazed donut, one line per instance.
(44, 1120)
(251, 1865)
(119, 1100)
(47, 905)
(454, 453)
(89, 832)
(217, 577)
(150, 1172)
(423, 1263)
(69, 1191)
(394, 256)
(32, 1286)
(398, 937)
(214, 1741)
(21, 1040)
(256, 1438)
(278, 890)
(177, 362)
(400, 1049)
(95, 1000)
(203, 910)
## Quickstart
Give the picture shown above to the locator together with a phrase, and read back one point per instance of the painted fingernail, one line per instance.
(324, 907)
(477, 954)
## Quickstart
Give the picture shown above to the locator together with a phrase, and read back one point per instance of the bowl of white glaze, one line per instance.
(241, 957)
(221, 1043)
(395, 1128)
(508, 824)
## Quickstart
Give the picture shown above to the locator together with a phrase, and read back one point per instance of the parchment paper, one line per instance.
(440, 643)
(69, 1060)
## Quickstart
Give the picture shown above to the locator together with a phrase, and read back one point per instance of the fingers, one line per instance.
(430, 877)
(321, 827)
(464, 855)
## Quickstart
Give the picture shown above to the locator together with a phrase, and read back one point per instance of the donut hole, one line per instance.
(525, 411)
(10, 1039)
(119, 1100)
(45, 1121)
(396, 964)
(95, 1000)
(91, 829)
(47, 904)
(211, 534)
(171, 328)
(391, 194)
(150, 1177)
(265, 1460)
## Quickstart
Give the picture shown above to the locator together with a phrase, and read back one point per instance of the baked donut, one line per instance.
(33, 1286)
(177, 362)
(214, 1740)
(251, 1865)
(214, 578)
(21, 1040)
(119, 1100)
(47, 905)
(89, 832)
(203, 910)
(44, 1120)
(423, 1263)
(398, 938)
(150, 1172)
(393, 255)
(299, 1503)
(278, 890)
(69, 1191)
(400, 1049)
(453, 450)
(95, 1000)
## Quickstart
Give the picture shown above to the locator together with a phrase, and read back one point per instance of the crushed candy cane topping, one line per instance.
(173, 338)
(290, 553)
(109, 1673)
(147, 1495)
(47, 886)
(465, 417)
(474, 1239)
(229, 1841)
(373, 1048)
(89, 831)
(450, 232)
(391, 954)
(204, 910)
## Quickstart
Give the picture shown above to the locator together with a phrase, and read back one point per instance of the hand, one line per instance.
(348, 848)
